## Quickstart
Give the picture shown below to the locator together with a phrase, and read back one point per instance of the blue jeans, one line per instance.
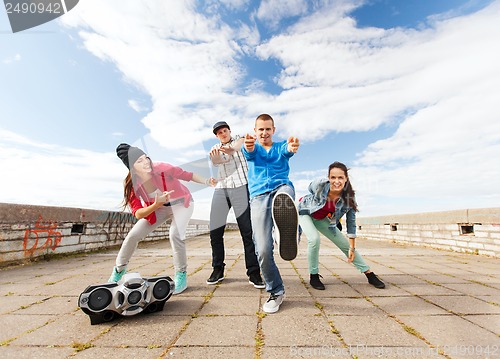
(262, 226)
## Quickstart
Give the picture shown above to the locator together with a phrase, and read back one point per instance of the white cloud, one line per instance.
(271, 12)
(333, 71)
(185, 61)
(42, 174)
(12, 59)
(136, 106)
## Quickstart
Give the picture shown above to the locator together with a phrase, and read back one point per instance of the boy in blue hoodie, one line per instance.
(271, 203)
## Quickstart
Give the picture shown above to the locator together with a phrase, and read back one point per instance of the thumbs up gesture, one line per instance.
(293, 144)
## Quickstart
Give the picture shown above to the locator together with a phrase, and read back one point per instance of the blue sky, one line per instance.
(404, 92)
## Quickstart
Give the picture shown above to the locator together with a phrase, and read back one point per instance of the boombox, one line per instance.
(129, 296)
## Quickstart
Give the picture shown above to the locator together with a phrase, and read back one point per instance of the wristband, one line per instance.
(352, 249)
(207, 182)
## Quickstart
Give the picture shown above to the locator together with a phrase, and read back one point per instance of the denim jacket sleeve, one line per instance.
(341, 210)
(351, 223)
(315, 199)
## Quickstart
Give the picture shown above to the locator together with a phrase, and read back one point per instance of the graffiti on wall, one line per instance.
(33, 238)
(116, 225)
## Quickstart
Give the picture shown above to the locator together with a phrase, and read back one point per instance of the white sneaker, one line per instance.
(273, 303)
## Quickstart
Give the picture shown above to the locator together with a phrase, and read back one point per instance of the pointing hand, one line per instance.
(293, 144)
(250, 142)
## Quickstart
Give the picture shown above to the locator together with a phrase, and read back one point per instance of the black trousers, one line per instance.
(223, 200)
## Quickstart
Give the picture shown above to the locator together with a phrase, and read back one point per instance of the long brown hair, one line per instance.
(128, 188)
(348, 193)
(128, 185)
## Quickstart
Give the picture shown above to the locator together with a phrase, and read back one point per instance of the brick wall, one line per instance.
(28, 232)
(468, 230)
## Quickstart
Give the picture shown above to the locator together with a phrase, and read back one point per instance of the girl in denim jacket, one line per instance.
(320, 211)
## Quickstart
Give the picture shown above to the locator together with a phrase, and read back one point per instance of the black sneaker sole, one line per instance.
(258, 286)
(286, 220)
(218, 281)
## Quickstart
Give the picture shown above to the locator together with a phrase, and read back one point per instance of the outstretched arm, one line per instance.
(216, 156)
(202, 180)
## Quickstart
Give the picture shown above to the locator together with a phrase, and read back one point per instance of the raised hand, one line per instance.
(250, 142)
(227, 150)
(214, 153)
(164, 197)
(212, 182)
(293, 144)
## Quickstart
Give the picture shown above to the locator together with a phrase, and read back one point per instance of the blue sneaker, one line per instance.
(180, 281)
(116, 276)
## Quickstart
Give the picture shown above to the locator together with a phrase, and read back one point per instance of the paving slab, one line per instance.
(137, 331)
(404, 278)
(15, 326)
(29, 352)
(220, 331)
(407, 306)
(374, 331)
(334, 288)
(492, 299)
(325, 351)
(63, 330)
(11, 302)
(455, 335)
(349, 306)
(489, 322)
(428, 289)
(51, 305)
(230, 306)
(112, 353)
(308, 330)
(464, 304)
(474, 289)
(204, 352)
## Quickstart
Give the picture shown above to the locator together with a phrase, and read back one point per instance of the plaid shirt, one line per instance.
(233, 173)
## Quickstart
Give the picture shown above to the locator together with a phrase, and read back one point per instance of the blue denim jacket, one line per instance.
(316, 199)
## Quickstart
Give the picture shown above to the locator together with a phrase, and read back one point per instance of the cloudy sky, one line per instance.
(406, 93)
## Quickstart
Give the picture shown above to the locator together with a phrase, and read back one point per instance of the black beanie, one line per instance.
(128, 154)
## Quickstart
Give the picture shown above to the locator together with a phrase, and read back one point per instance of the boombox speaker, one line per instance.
(129, 296)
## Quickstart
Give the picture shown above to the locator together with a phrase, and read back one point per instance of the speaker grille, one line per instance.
(134, 297)
(161, 289)
(100, 299)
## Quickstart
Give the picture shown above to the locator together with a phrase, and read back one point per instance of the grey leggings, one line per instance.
(180, 216)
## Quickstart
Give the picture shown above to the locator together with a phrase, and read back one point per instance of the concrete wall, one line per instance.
(468, 230)
(29, 232)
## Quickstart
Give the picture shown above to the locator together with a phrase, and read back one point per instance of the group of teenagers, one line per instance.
(253, 179)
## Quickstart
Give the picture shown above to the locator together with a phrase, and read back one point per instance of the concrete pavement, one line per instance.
(437, 304)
